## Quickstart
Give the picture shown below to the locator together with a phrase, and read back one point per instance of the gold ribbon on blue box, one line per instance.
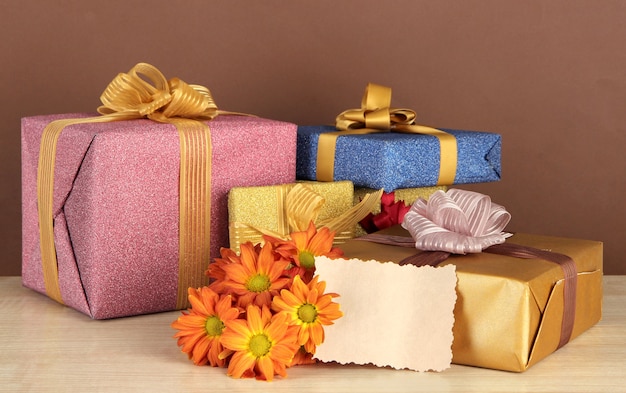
(377, 116)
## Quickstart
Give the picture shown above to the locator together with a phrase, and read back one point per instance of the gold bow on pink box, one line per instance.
(130, 96)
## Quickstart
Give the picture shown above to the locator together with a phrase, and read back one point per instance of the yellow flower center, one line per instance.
(307, 313)
(258, 283)
(214, 326)
(307, 259)
(259, 345)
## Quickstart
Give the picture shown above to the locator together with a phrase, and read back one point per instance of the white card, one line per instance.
(397, 316)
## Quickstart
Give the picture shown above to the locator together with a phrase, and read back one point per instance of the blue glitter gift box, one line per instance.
(392, 160)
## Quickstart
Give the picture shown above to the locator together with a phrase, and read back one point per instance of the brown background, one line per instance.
(550, 76)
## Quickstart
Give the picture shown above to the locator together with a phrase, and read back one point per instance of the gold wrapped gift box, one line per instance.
(509, 310)
(251, 208)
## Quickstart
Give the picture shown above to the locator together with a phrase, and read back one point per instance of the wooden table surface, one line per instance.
(45, 347)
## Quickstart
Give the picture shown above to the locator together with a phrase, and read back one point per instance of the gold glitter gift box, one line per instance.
(252, 208)
(509, 311)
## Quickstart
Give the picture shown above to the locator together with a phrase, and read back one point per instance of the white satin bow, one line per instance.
(456, 221)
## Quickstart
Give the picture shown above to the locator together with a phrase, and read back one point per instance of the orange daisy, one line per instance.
(215, 270)
(257, 277)
(309, 308)
(200, 329)
(304, 246)
(263, 344)
(227, 256)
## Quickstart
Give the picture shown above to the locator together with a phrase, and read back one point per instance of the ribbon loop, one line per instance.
(128, 92)
(186, 101)
(302, 205)
(375, 97)
(402, 117)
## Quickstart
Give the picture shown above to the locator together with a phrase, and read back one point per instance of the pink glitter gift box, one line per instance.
(116, 204)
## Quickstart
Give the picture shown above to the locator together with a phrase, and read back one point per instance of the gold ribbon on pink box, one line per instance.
(463, 222)
(376, 116)
(144, 92)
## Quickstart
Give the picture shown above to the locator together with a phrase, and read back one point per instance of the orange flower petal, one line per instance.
(255, 323)
(287, 301)
(277, 328)
(248, 257)
(322, 242)
(323, 302)
(240, 364)
(303, 335)
(236, 336)
(200, 351)
(300, 239)
(317, 333)
(266, 368)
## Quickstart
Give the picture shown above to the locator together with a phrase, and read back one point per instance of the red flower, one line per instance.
(391, 213)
